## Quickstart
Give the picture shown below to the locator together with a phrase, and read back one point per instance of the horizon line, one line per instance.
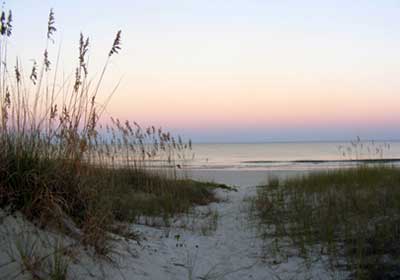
(293, 141)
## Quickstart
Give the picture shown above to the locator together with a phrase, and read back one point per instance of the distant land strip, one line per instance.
(372, 160)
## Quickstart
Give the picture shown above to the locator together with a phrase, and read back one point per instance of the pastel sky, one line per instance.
(234, 71)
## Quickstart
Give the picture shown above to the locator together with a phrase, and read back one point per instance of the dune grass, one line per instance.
(61, 168)
(350, 215)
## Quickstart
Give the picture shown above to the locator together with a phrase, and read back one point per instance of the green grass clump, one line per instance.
(351, 214)
(142, 194)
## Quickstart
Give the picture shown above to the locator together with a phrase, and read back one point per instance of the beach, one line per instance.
(219, 240)
(207, 140)
(216, 241)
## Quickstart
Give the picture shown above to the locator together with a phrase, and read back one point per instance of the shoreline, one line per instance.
(240, 178)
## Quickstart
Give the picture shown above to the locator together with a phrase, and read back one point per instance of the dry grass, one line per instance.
(352, 216)
(62, 169)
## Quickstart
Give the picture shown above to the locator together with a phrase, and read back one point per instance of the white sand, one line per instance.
(216, 242)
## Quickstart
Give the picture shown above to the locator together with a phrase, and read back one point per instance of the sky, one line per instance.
(236, 71)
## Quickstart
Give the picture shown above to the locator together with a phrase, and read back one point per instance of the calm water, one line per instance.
(291, 155)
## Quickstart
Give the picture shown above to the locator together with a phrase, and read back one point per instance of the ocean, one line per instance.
(292, 155)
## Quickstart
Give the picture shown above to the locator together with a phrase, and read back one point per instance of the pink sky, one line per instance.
(294, 70)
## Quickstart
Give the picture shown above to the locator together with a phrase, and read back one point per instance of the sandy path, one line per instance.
(210, 248)
(227, 249)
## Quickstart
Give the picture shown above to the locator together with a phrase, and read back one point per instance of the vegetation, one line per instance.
(350, 215)
(62, 169)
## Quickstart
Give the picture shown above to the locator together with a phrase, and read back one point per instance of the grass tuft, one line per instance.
(349, 214)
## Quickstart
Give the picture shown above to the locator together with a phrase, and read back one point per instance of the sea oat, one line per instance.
(50, 26)
(116, 45)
